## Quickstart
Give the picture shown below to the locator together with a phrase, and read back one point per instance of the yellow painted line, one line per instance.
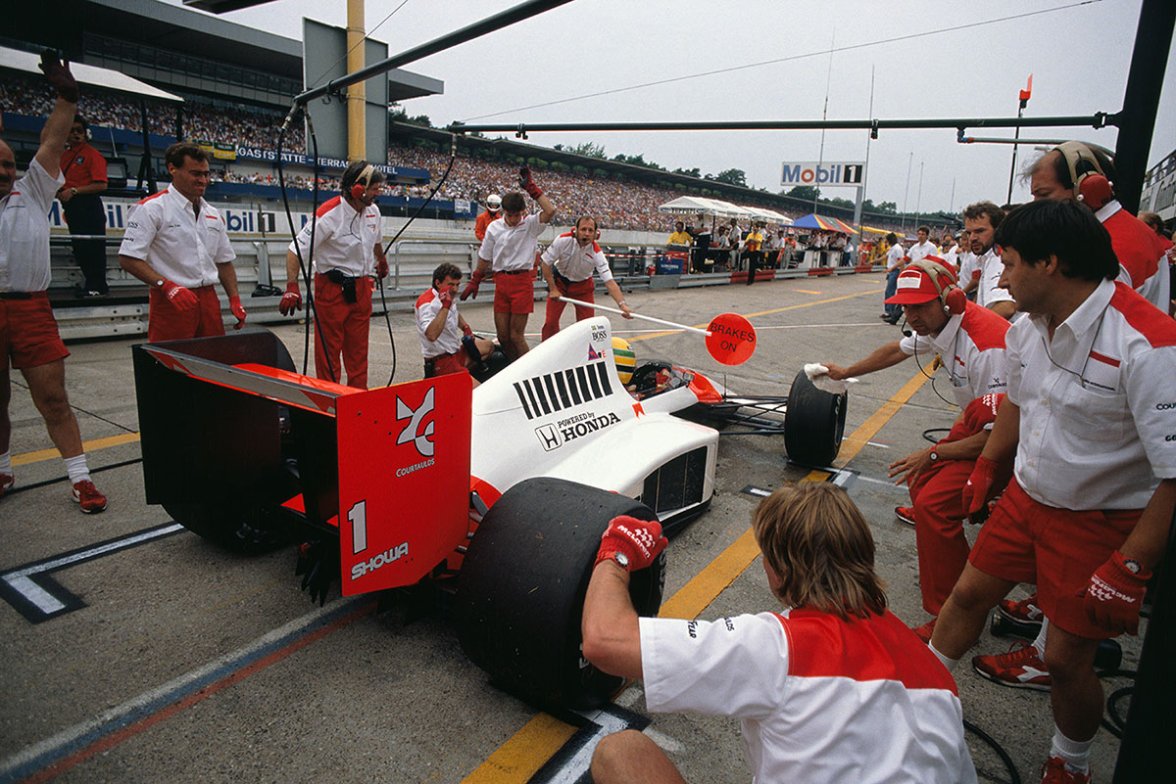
(806, 291)
(88, 446)
(520, 757)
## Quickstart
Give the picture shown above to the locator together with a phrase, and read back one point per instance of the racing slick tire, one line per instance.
(521, 590)
(239, 528)
(814, 423)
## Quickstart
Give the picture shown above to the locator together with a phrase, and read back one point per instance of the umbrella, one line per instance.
(815, 221)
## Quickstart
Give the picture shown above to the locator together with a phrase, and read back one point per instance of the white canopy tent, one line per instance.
(90, 75)
(692, 205)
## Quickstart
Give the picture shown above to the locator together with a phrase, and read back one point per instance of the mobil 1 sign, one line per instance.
(828, 173)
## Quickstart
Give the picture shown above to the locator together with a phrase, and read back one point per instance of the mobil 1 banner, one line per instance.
(828, 173)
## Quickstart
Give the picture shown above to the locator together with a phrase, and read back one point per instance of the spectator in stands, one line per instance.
(29, 339)
(178, 244)
(85, 177)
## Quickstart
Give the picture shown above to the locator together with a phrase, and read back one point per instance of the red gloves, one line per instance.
(527, 184)
(1115, 592)
(445, 296)
(471, 289)
(381, 268)
(638, 541)
(982, 485)
(182, 299)
(291, 300)
(465, 330)
(238, 310)
(58, 75)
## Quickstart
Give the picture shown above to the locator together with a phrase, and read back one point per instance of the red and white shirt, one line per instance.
(1141, 252)
(428, 305)
(988, 290)
(180, 245)
(512, 248)
(821, 700)
(344, 239)
(24, 231)
(576, 262)
(972, 347)
(1098, 405)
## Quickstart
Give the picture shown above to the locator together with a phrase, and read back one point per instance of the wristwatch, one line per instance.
(933, 456)
(1130, 564)
(622, 560)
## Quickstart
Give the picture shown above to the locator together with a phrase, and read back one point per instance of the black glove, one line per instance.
(318, 563)
(57, 74)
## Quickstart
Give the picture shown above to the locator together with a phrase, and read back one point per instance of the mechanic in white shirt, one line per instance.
(1087, 514)
(567, 265)
(895, 257)
(178, 244)
(981, 220)
(833, 689)
(971, 342)
(509, 249)
(348, 255)
(448, 344)
(29, 339)
(924, 247)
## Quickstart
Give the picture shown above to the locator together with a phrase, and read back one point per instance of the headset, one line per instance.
(1089, 180)
(362, 180)
(952, 297)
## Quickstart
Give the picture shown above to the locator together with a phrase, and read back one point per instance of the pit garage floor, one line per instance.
(169, 660)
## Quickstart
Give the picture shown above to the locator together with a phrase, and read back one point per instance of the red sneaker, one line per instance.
(1024, 611)
(924, 632)
(905, 513)
(88, 497)
(6, 483)
(1020, 668)
(1056, 771)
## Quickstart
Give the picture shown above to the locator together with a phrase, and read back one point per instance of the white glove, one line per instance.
(819, 375)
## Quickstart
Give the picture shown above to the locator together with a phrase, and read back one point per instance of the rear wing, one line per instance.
(226, 420)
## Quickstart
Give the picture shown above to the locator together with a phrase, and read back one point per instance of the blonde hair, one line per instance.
(815, 538)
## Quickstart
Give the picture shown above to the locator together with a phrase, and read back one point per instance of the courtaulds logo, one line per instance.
(549, 437)
(421, 438)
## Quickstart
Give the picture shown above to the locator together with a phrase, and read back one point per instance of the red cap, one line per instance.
(916, 287)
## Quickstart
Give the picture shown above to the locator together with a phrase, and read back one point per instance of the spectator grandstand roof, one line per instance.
(87, 75)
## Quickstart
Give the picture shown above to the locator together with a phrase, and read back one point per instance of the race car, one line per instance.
(495, 496)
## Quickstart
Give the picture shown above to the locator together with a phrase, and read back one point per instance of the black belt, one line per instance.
(512, 272)
(16, 295)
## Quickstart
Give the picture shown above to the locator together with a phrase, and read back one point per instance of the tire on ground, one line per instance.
(521, 590)
(239, 528)
(814, 423)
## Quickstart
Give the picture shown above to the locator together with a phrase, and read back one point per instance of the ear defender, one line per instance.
(1090, 182)
(951, 296)
(362, 180)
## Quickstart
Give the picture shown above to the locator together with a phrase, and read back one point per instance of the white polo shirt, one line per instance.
(574, 262)
(164, 231)
(988, 290)
(969, 267)
(428, 305)
(895, 256)
(820, 700)
(972, 347)
(344, 239)
(921, 250)
(24, 230)
(1098, 405)
(511, 248)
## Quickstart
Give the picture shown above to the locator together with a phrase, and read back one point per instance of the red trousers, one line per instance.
(165, 322)
(939, 529)
(342, 327)
(581, 290)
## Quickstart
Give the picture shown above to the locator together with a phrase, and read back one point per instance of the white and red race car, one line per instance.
(497, 495)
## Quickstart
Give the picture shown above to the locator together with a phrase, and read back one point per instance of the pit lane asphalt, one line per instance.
(178, 662)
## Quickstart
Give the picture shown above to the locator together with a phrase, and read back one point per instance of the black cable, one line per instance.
(1014, 776)
(928, 433)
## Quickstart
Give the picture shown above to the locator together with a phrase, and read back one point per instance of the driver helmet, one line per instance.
(494, 202)
(624, 358)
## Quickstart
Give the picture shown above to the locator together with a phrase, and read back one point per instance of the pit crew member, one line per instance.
(509, 249)
(895, 258)
(568, 264)
(447, 342)
(492, 213)
(29, 340)
(1086, 516)
(981, 221)
(817, 687)
(84, 170)
(178, 244)
(971, 339)
(348, 254)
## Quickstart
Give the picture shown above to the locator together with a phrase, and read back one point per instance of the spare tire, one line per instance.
(814, 423)
(521, 590)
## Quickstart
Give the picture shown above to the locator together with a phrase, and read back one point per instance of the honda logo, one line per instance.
(549, 437)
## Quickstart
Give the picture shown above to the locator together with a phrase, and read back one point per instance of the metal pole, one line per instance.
(906, 192)
(919, 195)
(1013, 166)
(356, 93)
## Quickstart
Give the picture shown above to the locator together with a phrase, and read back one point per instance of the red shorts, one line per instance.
(1058, 549)
(514, 292)
(166, 322)
(28, 332)
(450, 363)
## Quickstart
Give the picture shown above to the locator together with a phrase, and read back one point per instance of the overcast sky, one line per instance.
(928, 59)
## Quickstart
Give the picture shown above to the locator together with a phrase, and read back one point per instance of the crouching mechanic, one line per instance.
(818, 687)
(447, 342)
(1087, 514)
(348, 253)
(509, 249)
(178, 244)
(568, 264)
(972, 338)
